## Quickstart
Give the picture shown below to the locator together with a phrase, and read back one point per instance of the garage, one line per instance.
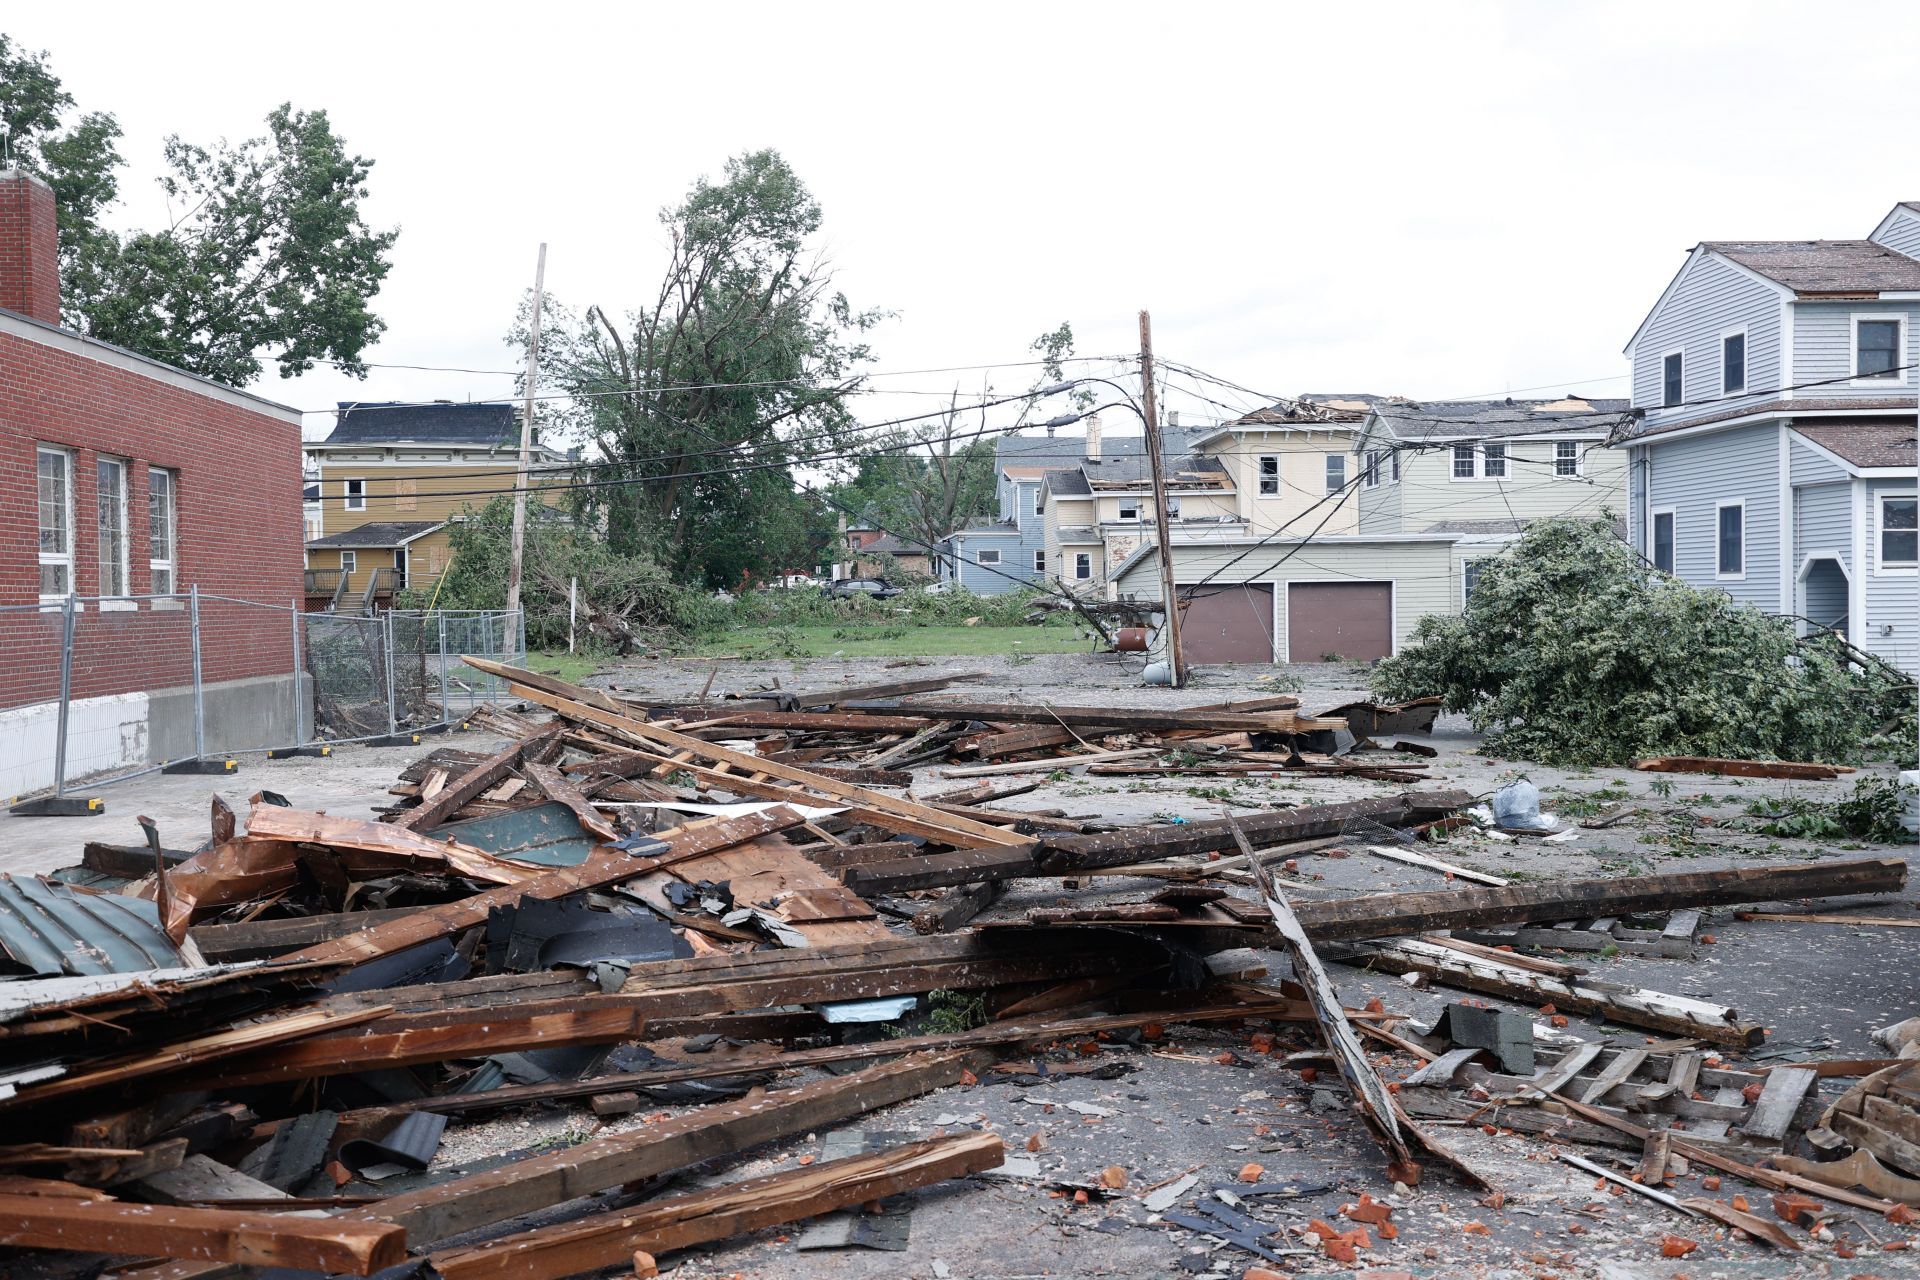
(1353, 620)
(1228, 623)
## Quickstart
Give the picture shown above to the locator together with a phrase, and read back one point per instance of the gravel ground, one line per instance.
(1176, 1109)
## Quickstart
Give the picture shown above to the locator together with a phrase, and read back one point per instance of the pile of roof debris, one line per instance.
(216, 1059)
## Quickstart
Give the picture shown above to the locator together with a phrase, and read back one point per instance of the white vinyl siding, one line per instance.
(1902, 234)
(55, 494)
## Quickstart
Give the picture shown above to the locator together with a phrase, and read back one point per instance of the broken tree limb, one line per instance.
(248, 1237)
(716, 1213)
(1383, 915)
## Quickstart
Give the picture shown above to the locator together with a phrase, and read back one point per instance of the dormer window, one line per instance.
(1672, 380)
(1876, 347)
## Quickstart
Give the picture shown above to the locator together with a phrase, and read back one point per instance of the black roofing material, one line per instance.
(295, 1152)
(388, 422)
(378, 534)
(415, 1139)
(435, 961)
(538, 934)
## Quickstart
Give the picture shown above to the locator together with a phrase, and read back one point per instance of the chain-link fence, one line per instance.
(105, 689)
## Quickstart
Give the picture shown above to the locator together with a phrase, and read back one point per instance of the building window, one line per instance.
(56, 523)
(112, 495)
(1463, 462)
(349, 561)
(1899, 530)
(1876, 348)
(160, 529)
(1269, 475)
(1373, 468)
(1672, 380)
(1566, 458)
(356, 491)
(986, 557)
(1129, 511)
(1336, 472)
(1731, 561)
(1493, 461)
(1040, 562)
(1733, 363)
(1039, 502)
(1663, 541)
(1393, 456)
(1469, 578)
(1082, 565)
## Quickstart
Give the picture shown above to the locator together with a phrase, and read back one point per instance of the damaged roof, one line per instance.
(395, 422)
(48, 928)
(378, 534)
(1493, 419)
(1815, 267)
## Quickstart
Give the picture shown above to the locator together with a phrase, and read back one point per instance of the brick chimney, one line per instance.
(29, 249)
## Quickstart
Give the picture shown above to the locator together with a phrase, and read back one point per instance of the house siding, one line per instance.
(1902, 234)
(1823, 348)
(1694, 476)
(1823, 522)
(1891, 604)
(1424, 574)
(1712, 297)
(1530, 491)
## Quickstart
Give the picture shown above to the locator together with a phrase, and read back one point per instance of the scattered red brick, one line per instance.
(1677, 1246)
(1113, 1178)
(1252, 1172)
(1369, 1211)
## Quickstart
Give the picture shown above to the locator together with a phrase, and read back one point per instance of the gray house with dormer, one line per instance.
(1772, 456)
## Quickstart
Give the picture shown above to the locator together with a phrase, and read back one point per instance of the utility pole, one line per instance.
(1170, 605)
(525, 477)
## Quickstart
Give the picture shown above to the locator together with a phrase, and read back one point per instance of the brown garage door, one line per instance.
(1351, 619)
(1228, 624)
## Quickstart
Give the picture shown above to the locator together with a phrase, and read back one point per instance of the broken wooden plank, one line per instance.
(557, 787)
(1779, 1098)
(1441, 1070)
(717, 1213)
(245, 1237)
(1790, 769)
(956, 907)
(1115, 719)
(1385, 914)
(264, 939)
(1067, 763)
(1414, 859)
(1615, 1074)
(1794, 917)
(469, 785)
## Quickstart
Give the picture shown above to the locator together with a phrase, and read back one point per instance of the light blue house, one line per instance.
(1773, 456)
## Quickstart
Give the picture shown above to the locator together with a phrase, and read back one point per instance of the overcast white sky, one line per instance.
(1428, 199)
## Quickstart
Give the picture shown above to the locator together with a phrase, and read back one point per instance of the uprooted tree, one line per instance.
(1573, 651)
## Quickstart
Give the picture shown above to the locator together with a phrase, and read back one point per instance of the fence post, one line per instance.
(199, 706)
(299, 677)
(393, 721)
(446, 695)
(66, 697)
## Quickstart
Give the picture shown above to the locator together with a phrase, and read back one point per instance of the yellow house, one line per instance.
(393, 478)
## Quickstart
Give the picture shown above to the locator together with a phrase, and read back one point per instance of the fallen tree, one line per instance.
(1574, 651)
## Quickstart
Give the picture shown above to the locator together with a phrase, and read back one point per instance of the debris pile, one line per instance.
(690, 924)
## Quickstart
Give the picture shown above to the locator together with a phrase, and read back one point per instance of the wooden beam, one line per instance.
(264, 939)
(470, 784)
(557, 787)
(1113, 719)
(606, 1239)
(246, 1237)
(1790, 769)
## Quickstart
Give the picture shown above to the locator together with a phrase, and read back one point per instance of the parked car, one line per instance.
(877, 588)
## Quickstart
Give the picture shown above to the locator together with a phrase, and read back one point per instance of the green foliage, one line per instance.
(1871, 812)
(1573, 652)
(268, 254)
(777, 642)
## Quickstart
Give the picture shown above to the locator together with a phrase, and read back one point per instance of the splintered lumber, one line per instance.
(1792, 917)
(1412, 859)
(245, 1237)
(1630, 1006)
(724, 1128)
(604, 866)
(386, 843)
(469, 785)
(1383, 915)
(955, 907)
(558, 787)
(1375, 1104)
(1050, 763)
(1790, 769)
(716, 1213)
(813, 721)
(1112, 719)
(262, 939)
(562, 697)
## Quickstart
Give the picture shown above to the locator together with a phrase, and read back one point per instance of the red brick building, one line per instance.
(125, 478)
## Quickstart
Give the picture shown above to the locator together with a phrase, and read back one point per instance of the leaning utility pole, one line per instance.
(525, 477)
(1170, 605)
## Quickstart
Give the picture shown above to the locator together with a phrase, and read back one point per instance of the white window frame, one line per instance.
(1040, 560)
(1673, 538)
(1664, 357)
(125, 468)
(162, 559)
(1263, 480)
(349, 563)
(1130, 510)
(1486, 471)
(1882, 565)
(1083, 566)
(980, 557)
(1578, 460)
(1746, 360)
(1371, 468)
(1335, 461)
(63, 559)
(1469, 575)
(1393, 456)
(1739, 504)
(1898, 379)
(353, 501)
(1473, 463)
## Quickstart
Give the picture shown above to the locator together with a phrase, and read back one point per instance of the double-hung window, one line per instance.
(1899, 530)
(1373, 468)
(1493, 461)
(1566, 458)
(1082, 565)
(1393, 456)
(1336, 472)
(1039, 561)
(356, 494)
(1733, 363)
(1463, 462)
(1469, 578)
(1731, 540)
(1269, 475)
(349, 561)
(1673, 380)
(1876, 347)
(1663, 541)
(161, 513)
(55, 476)
(112, 493)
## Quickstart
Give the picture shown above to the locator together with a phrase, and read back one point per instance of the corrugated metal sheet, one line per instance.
(48, 928)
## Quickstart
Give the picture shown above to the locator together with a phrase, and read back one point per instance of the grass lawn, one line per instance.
(571, 667)
(884, 641)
